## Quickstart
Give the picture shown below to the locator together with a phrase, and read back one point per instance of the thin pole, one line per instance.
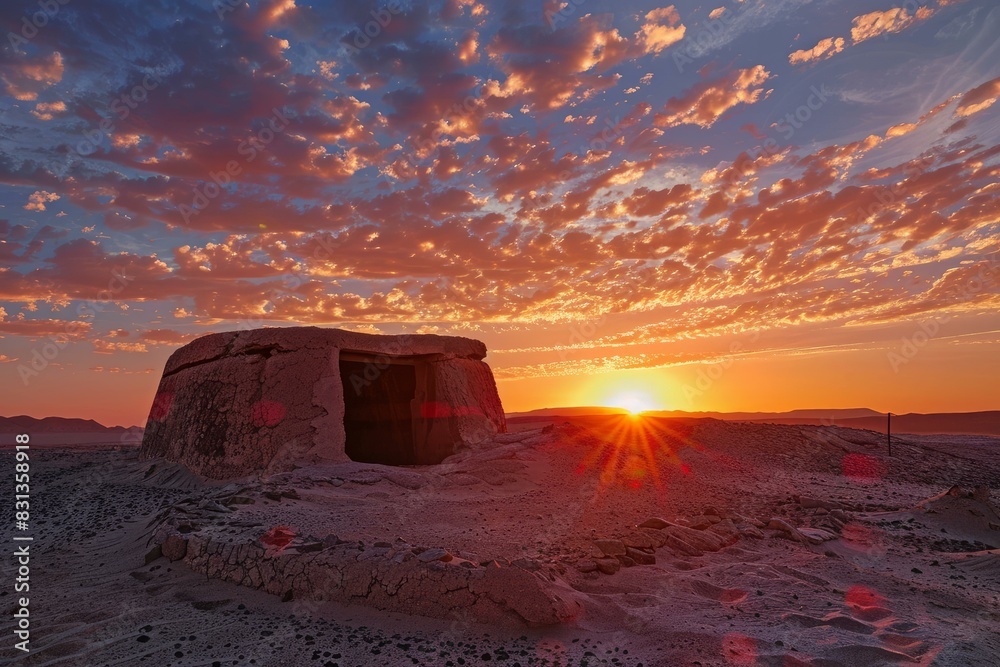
(888, 431)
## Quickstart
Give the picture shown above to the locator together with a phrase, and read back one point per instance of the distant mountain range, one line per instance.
(33, 425)
(972, 423)
(848, 413)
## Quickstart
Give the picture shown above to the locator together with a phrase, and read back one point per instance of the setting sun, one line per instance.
(633, 401)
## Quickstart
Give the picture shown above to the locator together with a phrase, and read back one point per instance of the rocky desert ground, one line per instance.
(592, 541)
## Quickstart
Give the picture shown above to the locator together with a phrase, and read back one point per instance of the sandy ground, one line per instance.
(905, 580)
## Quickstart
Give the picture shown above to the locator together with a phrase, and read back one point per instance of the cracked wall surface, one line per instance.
(390, 578)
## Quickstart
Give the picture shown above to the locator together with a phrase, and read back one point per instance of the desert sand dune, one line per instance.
(629, 542)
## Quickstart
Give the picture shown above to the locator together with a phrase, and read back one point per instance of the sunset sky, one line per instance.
(763, 205)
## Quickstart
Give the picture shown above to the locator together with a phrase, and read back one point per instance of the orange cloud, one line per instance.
(48, 110)
(167, 337)
(27, 77)
(22, 326)
(661, 29)
(874, 24)
(900, 130)
(468, 48)
(552, 68)
(865, 27)
(979, 98)
(706, 102)
(826, 48)
(109, 347)
(38, 199)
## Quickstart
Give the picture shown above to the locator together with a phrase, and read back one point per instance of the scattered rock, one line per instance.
(174, 547)
(682, 547)
(697, 522)
(751, 531)
(655, 523)
(608, 565)
(213, 506)
(610, 547)
(727, 530)
(703, 541)
(817, 535)
(656, 536)
(626, 561)
(789, 532)
(639, 540)
(740, 519)
(811, 503)
(586, 566)
(435, 554)
(780, 524)
(640, 557)
(840, 515)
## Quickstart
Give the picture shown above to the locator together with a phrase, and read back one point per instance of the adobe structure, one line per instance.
(240, 403)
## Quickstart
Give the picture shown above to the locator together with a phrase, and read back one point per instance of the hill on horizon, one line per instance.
(831, 413)
(32, 425)
(985, 422)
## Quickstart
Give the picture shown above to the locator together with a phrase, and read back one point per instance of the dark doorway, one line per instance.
(378, 410)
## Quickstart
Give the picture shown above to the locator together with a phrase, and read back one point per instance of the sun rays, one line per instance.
(634, 452)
